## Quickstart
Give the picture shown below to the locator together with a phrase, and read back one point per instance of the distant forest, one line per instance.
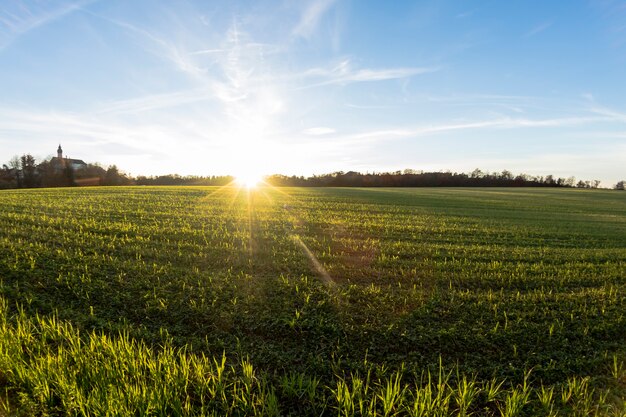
(413, 178)
(24, 172)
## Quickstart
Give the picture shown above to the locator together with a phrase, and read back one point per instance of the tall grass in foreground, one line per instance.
(48, 368)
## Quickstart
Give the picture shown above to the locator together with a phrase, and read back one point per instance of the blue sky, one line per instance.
(303, 87)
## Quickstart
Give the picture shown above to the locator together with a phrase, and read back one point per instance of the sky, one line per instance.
(310, 87)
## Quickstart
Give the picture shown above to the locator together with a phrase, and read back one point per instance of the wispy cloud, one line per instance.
(164, 48)
(155, 102)
(318, 131)
(465, 14)
(208, 51)
(609, 113)
(344, 73)
(234, 69)
(383, 135)
(311, 16)
(75, 127)
(224, 77)
(19, 17)
(514, 103)
(367, 106)
(613, 13)
(537, 29)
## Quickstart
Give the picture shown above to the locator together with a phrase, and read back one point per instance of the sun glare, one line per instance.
(251, 159)
(249, 180)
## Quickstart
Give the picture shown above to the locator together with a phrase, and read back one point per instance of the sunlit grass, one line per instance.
(48, 366)
(443, 302)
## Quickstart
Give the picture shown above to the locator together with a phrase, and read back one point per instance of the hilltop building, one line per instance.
(59, 162)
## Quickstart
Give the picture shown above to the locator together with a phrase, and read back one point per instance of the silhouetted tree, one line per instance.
(7, 177)
(16, 166)
(113, 176)
(29, 170)
(477, 173)
(14, 162)
(91, 174)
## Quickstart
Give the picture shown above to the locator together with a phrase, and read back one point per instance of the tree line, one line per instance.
(413, 178)
(175, 179)
(24, 172)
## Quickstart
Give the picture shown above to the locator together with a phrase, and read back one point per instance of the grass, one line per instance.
(213, 301)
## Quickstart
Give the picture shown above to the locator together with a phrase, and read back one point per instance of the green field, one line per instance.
(304, 301)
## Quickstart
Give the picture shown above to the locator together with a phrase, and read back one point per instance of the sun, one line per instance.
(249, 180)
(250, 163)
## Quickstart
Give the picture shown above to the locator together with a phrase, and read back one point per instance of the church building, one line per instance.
(60, 163)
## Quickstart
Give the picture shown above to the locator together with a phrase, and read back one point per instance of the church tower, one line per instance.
(60, 152)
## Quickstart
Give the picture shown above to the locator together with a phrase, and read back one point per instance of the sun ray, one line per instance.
(232, 187)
